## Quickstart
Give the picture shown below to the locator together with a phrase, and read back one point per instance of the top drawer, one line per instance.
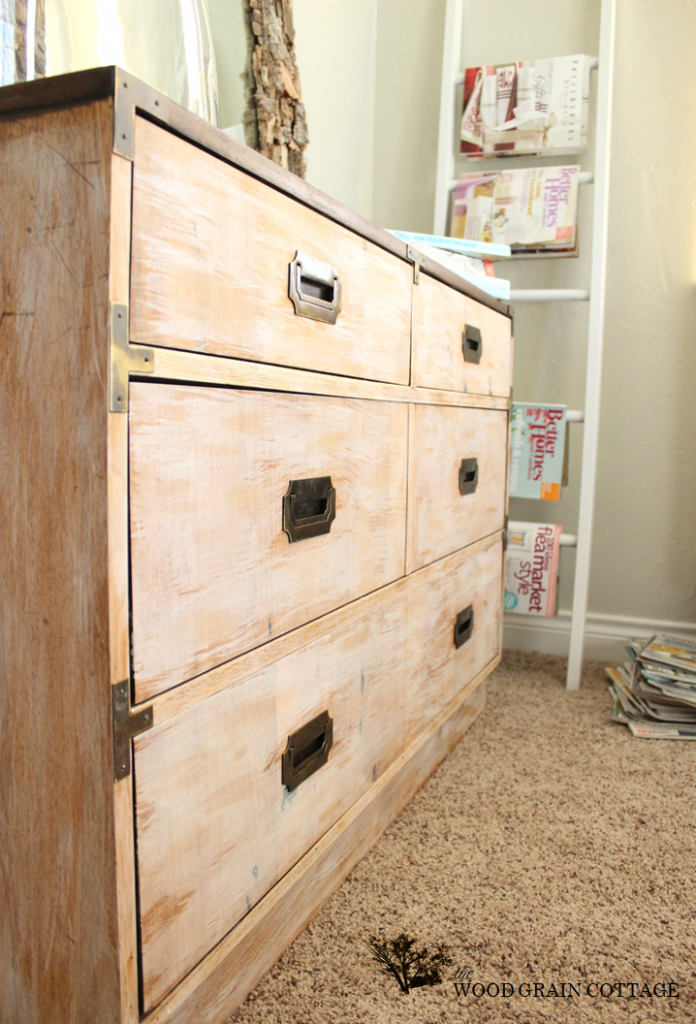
(211, 255)
(440, 318)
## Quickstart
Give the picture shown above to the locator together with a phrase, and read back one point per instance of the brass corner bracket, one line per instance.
(126, 359)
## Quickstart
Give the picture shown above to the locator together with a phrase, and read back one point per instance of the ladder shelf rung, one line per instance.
(549, 295)
(584, 178)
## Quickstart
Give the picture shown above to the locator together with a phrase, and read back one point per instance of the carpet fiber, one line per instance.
(550, 849)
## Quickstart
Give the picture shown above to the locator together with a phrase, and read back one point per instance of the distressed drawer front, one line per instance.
(440, 316)
(213, 572)
(441, 518)
(216, 828)
(437, 595)
(211, 250)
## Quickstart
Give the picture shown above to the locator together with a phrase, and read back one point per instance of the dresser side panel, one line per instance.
(58, 936)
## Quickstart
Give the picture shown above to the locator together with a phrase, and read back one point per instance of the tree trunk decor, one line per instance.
(274, 118)
(22, 41)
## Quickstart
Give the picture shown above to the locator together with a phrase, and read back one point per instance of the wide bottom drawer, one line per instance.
(216, 824)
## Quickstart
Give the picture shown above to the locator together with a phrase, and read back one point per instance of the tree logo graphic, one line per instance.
(400, 958)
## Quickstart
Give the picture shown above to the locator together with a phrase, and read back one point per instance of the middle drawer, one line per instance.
(213, 570)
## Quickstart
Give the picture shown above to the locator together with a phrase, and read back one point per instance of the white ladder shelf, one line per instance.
(595, 296)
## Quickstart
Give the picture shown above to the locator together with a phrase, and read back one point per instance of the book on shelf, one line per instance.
(470, 259)
(531, 209)
(530, 107)
(537, 451)
(476, 271)
(466, 246)
(531, 568)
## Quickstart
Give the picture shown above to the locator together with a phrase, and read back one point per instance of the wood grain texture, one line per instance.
(437, 594)
(213, 573)
(68, 941)
(231, 971)
(208, 369)
(439, 317)
(58, 925)
(211, 252)
(175, 701)
(216, 827)
(117, 480)
(119, 603)
(80, 86)
(440, 518)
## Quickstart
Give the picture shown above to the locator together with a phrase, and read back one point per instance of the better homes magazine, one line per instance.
(529, 209)
(537, 443)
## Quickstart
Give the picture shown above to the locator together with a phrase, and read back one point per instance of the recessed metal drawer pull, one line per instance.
(314, 288)
(472, 344)
(307, 750)
(464, 626)
(309, 508)
(468, 476)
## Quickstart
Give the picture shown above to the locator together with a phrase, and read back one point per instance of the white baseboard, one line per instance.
(605, 635)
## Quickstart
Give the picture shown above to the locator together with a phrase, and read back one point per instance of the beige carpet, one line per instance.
(551, 847)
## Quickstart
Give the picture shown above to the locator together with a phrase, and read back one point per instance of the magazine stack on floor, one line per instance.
(655, 690)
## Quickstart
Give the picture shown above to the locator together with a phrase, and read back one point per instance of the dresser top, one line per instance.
(132, 96)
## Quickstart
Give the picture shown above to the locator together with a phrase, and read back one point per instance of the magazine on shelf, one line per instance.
(532, 209)
(531, 568)
(537, 451)
(531, 107)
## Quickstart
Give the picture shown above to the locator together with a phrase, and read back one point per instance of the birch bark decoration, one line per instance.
(22, 40)
(274, 119)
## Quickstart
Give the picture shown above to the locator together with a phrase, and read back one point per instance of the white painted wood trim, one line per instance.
(584, 177)
(445, 146)
(593, 383)
(549, 295)
(605, 635)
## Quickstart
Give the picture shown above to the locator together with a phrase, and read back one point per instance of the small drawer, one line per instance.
(223, 263)
(217, 826)
(455, 621)
(251, 513)
(456, 490)
(458, 343)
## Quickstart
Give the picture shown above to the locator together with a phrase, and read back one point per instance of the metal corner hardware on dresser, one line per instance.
(252, 522)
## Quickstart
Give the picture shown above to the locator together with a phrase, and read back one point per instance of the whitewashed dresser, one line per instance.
(252, 500)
